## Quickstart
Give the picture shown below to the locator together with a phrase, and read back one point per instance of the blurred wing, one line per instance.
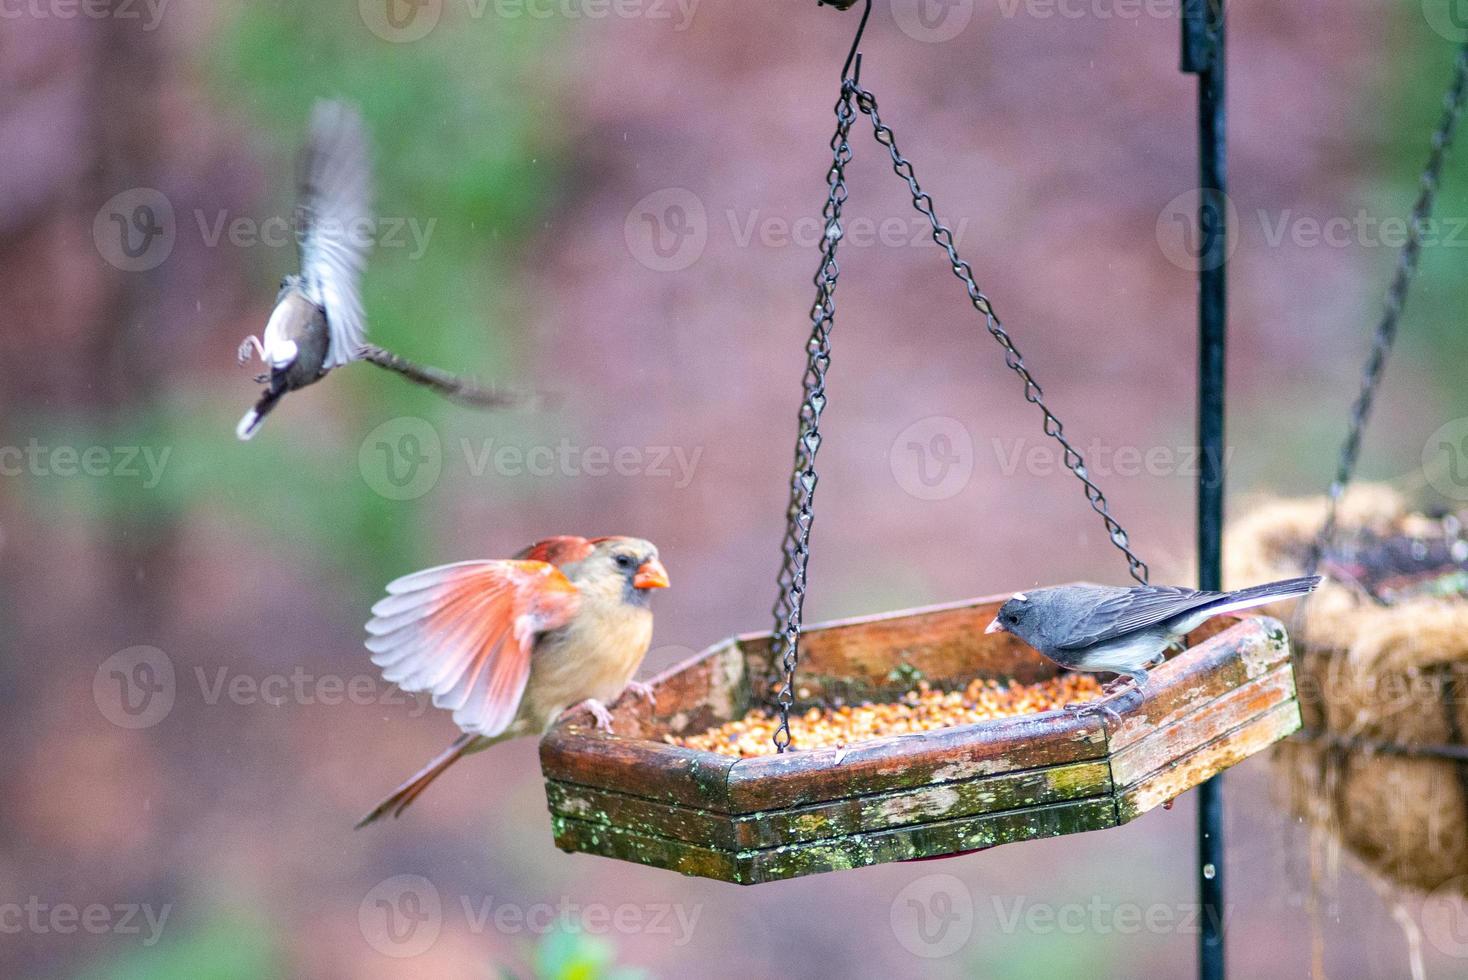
(1134, 609)
(334, 223)
(465, 632)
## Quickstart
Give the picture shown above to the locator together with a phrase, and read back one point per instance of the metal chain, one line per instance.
(1396, 300)
(1033, 393)
(791, 582)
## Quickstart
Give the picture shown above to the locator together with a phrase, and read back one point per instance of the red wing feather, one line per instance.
(565, 549)
(465, 632)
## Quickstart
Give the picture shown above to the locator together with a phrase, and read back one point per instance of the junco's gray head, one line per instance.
(1020, 616)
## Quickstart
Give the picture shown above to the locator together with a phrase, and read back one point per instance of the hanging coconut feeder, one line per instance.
(631, 795)
(1381, 767)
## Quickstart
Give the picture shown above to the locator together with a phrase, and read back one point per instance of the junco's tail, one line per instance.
(410, 790)
(250, 423)
(446, 384)
(1260, 595)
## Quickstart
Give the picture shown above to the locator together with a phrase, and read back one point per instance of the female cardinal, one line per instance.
(510, 645)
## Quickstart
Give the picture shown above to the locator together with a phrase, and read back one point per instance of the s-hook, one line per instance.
(851, 68)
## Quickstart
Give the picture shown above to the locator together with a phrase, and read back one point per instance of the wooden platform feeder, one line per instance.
(630, 795)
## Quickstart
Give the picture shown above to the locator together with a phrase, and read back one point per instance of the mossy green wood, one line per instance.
(632, 796)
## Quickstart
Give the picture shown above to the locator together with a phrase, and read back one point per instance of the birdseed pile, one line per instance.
(922, 709)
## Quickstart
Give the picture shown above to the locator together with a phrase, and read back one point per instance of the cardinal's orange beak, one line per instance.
(651, 575)
(995, 626)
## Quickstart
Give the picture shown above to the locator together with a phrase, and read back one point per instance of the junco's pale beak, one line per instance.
(651, 575)
(994, 627)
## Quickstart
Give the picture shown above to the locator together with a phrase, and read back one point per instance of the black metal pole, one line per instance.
(1203, 54)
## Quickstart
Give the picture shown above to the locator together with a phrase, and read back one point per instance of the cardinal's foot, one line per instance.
(600, 713)
(643, 690)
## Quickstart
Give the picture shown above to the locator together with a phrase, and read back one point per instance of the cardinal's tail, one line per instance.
(410, 790)
(449, 385)
(250, 423)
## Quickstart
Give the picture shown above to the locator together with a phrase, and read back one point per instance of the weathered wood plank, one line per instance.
(1185, 773)
(853, 851)
(659, 852)
(654, 770)
(634, 813)
(910, 807)
(988, 794)
(1247, 649)
(927, 840)
(1212, 719)
(918, 759)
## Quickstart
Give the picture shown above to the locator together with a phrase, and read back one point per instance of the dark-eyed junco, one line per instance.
(1096, 628)
(317, 323)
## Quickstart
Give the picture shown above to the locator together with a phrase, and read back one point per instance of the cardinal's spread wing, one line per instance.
(465, 632)
(1133, 609)
(334, 223)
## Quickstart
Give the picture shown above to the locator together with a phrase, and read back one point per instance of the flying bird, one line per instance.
(1123, 631)
(317, 323)
(508, 646)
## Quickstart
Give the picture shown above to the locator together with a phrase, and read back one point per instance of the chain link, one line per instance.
(1012, 359)
(791, 582)
(1396, 301)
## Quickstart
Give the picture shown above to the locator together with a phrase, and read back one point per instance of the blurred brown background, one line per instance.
(615, 201)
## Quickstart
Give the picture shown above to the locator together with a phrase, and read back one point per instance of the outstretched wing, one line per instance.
(1134, 609)
(465, 632)
(334, 223)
